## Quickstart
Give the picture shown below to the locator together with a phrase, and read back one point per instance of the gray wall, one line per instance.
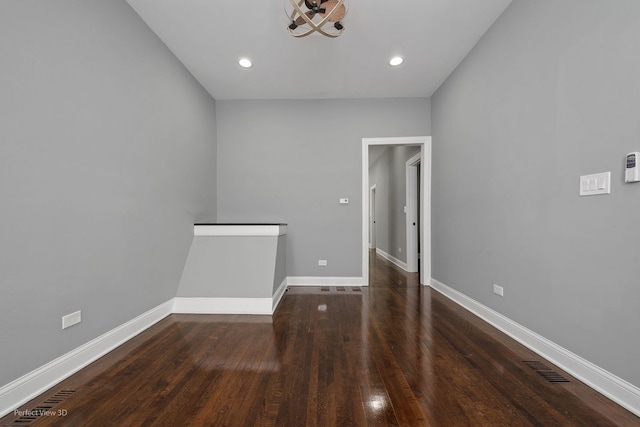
(218, 267)
(107, 157)
(550, 93)
(388, 173)
(291, 161)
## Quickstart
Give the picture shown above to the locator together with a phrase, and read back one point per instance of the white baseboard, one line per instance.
(40, 380)
(259, 306)
(620, 391)
(196, 305)
(31, 385)
(278, 295)
(392, 259)
(324, 281)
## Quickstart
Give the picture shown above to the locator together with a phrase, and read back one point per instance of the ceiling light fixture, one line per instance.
(396, 60)
(245, 63)
(310, 16)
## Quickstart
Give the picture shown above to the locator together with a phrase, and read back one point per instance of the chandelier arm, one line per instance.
(330, 14)
(314, 27)
(295, 10)
(302, 34)
(299, 35)
(302, 13)
(333, 36)
(320, 30)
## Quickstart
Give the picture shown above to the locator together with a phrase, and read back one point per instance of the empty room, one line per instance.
(319, 213)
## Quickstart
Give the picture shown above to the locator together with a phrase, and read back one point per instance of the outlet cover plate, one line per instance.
(498, 290)
(71, 319)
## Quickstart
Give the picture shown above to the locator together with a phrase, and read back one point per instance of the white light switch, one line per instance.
(344, 201)
(599, 183)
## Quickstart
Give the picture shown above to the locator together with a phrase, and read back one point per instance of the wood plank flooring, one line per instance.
(394, 353)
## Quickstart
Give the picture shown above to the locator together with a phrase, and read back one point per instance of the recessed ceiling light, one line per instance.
(245, 63)
(396, 60)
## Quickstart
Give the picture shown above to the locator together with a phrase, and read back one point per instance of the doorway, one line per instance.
(423, 191)
(413, 212)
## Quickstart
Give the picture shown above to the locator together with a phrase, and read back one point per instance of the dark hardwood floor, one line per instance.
(394, 353)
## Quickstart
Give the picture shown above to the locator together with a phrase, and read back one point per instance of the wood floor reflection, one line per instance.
(394, 353)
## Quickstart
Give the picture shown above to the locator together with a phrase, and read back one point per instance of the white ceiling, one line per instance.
(209, 36)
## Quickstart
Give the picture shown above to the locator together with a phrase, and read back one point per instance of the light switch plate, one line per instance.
(598, 183)
(344, 201)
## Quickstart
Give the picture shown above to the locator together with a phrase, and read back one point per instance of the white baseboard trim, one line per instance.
(324, 281)
(620, 391)
(392, 259)
(203, 305)
(31, 385)
(278, 295)
(196, 305)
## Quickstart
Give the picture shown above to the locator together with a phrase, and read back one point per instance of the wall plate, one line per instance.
(598, 183)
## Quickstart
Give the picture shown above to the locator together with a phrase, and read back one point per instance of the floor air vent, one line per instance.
(333, 289)
(545, 372)
(59, 397)
(47, 408)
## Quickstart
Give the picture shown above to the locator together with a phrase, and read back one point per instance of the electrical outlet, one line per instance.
(71, 319)
(322, 262)
(498, 290)
(400, 250)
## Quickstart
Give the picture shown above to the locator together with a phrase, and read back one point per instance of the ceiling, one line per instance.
(209, 36)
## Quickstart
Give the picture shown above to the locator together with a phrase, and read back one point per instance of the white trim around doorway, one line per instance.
(372, 217)
(424, 142)
(411, 218)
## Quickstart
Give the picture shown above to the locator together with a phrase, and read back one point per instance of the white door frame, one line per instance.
(372, 217)
(411, 217)
(424, 142)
